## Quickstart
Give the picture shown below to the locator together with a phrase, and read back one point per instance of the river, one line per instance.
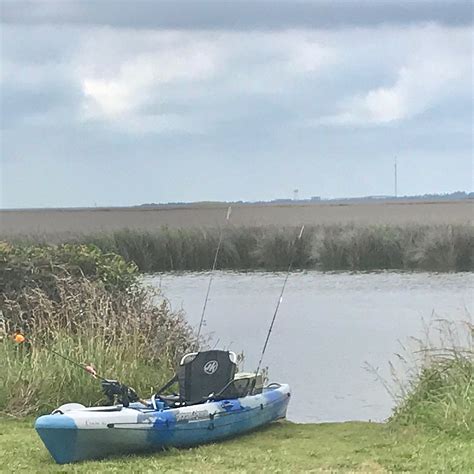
(330, 328)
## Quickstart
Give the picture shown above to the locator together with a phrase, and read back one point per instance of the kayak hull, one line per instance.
(92, 433)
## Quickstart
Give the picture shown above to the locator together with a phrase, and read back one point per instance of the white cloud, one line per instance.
(415, 90)
(158, 66)
(307, 54)
(195, 80)
(433, 67)
(136, 76)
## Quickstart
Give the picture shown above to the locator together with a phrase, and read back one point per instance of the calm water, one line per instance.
(330, 326)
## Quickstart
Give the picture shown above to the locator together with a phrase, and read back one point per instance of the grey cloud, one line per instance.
(22, 105)
(237, 15)
(246, 117)
(254, 75)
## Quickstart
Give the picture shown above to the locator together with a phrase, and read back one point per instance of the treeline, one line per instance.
(440, 248)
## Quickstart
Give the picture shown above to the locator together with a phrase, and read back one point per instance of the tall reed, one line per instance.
(442, 248)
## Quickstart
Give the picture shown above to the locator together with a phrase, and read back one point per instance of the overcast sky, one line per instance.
(117, 103)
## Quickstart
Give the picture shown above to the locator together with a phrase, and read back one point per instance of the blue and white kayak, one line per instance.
(75, 433)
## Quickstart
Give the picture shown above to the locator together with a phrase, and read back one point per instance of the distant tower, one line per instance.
(395, 177)
(295, 195)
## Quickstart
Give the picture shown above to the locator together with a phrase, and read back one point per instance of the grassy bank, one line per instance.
(90, 307)
(281, 447)
(442, 248)
(439, 393)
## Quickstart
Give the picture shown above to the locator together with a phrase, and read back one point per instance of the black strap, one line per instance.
(168, 384)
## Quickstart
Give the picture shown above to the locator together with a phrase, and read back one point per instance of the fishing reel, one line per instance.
(118, 393)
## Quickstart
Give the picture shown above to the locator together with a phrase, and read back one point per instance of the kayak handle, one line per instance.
(192, 355)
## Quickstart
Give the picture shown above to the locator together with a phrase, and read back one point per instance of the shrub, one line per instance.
(34, 266)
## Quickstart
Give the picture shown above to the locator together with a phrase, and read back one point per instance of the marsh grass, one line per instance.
(440, 248)
(439, 391)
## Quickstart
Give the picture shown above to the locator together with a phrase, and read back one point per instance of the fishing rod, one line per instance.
(201, 322)
(113, 389)
(280, 299)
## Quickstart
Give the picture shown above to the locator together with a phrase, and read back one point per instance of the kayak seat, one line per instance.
(206, 373)
(201, 375)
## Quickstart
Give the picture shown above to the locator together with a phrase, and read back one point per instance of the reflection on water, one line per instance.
(330, 326)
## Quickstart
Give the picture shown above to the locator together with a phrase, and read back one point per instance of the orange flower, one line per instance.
(19, 338)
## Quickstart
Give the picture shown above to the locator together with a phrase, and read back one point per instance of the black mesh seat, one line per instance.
(203, 374)
(200, 375)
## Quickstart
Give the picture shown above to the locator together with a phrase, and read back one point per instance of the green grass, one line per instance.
(440, 390)
(281, 447)
(38, 381)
